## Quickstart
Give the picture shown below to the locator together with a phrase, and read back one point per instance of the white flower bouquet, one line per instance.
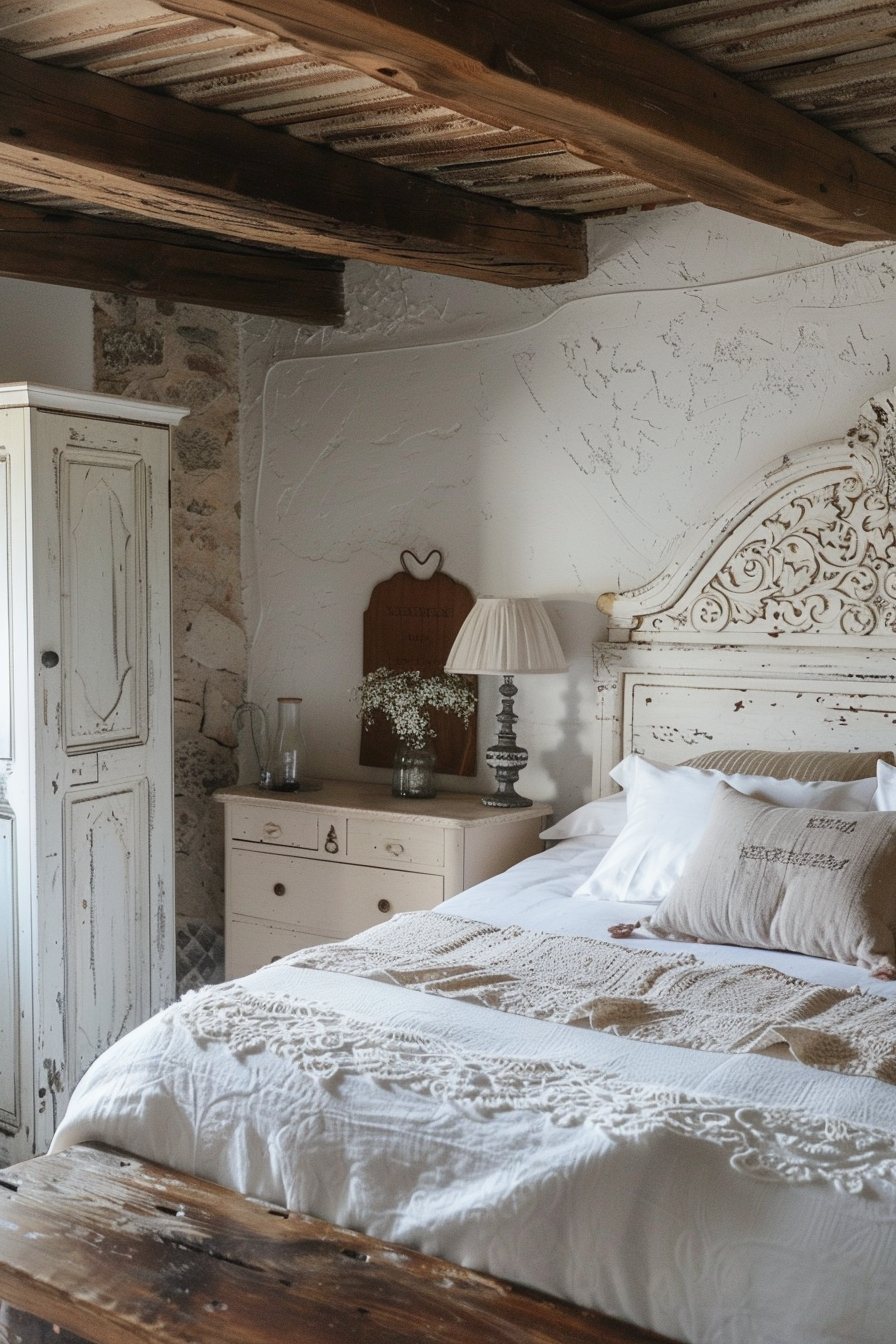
(404, 699)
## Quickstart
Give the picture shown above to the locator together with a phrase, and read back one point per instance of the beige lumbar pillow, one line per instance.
(794, 879)
(803, 765)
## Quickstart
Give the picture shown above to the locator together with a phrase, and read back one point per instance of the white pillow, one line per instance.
(885, 797)
(605, 816)
(668, 808)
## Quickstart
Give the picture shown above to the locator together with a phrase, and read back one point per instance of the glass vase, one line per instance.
(413, 772)
(286, 763)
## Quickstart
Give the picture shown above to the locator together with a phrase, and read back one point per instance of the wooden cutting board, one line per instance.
(410, 625)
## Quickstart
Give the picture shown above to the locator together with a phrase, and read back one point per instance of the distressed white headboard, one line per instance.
(778, 629)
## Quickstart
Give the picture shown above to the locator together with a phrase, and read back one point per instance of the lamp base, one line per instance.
(511, 799)
(505, 757)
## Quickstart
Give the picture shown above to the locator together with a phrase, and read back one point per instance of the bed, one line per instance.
(448, 1083)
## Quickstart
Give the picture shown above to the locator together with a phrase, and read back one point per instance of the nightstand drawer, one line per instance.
(252, 943)
(334, 900)
(275, 826)
(380, 842)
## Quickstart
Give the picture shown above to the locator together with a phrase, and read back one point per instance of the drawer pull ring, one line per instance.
(272, 828)
(331, 844)
(394, 848)
(384, 906)
(279, 889)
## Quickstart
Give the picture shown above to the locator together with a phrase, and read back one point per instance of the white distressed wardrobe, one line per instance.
(86, 794)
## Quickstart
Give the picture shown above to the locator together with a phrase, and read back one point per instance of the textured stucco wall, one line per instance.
(46, 334)
(188, 356)
(554, 443)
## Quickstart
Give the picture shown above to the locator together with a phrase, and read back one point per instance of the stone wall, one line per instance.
(185, 355)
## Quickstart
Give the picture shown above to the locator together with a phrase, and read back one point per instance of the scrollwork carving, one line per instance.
(824, 562)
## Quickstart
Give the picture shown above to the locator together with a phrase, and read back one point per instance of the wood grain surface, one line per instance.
(102, 145)
(60, 248)
(121, 1251)
(409, 626)
(612, 95)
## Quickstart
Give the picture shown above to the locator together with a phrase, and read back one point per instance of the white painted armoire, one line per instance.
(86, 792)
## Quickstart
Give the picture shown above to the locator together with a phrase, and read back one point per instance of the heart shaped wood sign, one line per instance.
(410, 625)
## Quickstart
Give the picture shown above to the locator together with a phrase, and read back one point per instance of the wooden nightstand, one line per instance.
(313, 867)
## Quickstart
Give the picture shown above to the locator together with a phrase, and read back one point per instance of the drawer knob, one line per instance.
(393, 847)
(279, 889)
(272, 828)
(275, 957)
(384, 906)
(331, 844)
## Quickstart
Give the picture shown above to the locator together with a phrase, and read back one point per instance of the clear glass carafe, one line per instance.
(286, 763)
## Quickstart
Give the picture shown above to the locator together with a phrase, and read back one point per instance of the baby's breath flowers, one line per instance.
(405, 698)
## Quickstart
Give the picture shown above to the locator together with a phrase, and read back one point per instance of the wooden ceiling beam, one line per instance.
(59, 248)
(614, 96)
(153, 159)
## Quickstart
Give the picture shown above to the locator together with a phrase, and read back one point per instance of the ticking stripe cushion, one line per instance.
(805, 765)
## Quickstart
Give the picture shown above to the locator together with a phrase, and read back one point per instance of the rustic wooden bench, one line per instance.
(120, 1251)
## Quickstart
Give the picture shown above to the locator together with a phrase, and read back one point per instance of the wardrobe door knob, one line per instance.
(279, 889)
(384, 906)
(50, 659)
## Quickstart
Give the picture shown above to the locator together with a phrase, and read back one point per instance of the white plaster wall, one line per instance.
(553, 443)
(46, 334)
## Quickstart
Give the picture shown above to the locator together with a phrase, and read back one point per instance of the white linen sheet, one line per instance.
(656, 1226)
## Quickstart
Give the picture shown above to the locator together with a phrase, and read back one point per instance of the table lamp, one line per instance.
(503, 636)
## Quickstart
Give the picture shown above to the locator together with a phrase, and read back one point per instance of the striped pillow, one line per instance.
(804, 765)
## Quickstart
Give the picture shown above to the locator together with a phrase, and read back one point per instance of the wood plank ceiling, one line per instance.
(464, 136)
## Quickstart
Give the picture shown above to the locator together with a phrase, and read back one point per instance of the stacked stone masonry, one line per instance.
(186, 355)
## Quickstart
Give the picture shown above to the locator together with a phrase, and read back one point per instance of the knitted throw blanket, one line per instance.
(669, 998)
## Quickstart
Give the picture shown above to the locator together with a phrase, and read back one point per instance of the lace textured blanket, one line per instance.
(773, 1143)
(669, 998)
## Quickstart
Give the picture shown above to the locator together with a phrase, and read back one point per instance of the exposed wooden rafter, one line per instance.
(107, 254)
(141, 156)
(614, 96)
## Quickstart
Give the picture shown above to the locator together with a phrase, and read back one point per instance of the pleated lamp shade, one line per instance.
(506, 634)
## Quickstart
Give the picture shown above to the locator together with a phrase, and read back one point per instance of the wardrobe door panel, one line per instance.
(107, 895)
(10, 1103)
(102, 621)
(6, 715)
(102, 521)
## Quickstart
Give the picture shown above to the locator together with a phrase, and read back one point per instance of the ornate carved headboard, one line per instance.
(778, 628)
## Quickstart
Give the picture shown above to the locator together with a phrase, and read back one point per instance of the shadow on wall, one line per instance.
(568, 762)
(46, 335)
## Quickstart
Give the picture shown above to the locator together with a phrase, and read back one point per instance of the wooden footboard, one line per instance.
(120, 1251)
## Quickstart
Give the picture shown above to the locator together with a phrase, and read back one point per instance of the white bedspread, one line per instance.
(653, 1223)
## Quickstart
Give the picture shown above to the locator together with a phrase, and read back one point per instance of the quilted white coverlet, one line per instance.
(711, 1197)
